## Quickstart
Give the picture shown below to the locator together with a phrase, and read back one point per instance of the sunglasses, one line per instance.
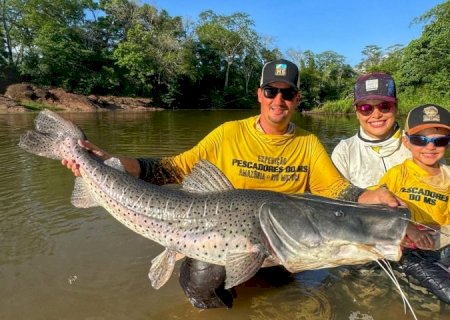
(367, 109)
(422, 141)
(286, 93)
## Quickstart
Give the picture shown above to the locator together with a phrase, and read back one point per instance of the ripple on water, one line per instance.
(292, 302)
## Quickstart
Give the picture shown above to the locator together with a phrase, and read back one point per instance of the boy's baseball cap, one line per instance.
(375, 86)
(279, 71)
(427, 116)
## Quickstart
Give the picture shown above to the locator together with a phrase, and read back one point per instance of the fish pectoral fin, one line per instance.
(162, 268)
(241, 266)
(81, 197)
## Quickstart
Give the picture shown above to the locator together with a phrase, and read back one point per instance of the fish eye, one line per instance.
(339, 213)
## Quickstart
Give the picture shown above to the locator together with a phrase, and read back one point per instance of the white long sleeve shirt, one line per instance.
(363, 161)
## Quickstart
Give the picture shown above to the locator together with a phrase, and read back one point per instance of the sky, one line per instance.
(343, 26)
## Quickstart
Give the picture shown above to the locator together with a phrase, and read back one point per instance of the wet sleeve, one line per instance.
(325, 179)
(159, 171)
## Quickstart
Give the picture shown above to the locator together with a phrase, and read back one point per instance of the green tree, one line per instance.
(392, 60)
(16, 35)
(3, 52)
(309, 81)
(323, 77)
(334, 75)
(426, 61)
(232, 37)
(61, 49)
(373, 55)
(153, 54)
(5, 32)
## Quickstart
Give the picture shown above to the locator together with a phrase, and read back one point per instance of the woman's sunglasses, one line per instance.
(367, 109)
(286, 93)
(422, 141)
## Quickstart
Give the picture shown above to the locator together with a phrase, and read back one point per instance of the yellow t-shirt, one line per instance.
(428, 204)
(250, 159)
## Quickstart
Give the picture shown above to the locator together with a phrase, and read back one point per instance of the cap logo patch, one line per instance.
(431, 113)
(372, 85)
(280, 69)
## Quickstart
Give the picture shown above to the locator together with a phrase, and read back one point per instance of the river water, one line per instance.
(60, 262)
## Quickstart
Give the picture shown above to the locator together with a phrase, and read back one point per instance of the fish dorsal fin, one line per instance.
(81, 197)
(162, 268)
(206, 177)
(115, 163)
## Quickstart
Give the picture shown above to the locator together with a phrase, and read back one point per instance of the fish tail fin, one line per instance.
(39, 144)
(50, 130)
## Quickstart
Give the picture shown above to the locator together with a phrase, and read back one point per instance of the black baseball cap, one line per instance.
(427, 116)
(279, 71)
(375, 86)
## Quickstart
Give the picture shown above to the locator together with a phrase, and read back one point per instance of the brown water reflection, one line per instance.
(59, 262)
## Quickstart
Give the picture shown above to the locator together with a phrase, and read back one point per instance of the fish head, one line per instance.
(310, 232)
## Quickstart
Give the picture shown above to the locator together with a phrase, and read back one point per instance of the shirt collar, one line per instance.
(290, 129)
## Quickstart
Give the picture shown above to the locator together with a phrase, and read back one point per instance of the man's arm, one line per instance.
(326, 180)
(159, 170)
(380, 195)
(153, 170)
(131, 165)
(377, 196)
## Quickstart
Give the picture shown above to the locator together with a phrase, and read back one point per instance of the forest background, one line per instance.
(123, 48)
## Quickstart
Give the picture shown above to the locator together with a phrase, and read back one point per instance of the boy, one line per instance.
(423, 183)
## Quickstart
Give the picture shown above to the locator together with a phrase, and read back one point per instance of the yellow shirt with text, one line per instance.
(290, 163)
(428, 204)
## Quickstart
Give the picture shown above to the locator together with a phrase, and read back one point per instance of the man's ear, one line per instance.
(259, 94)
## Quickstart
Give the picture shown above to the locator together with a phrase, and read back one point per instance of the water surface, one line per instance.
(60, 262)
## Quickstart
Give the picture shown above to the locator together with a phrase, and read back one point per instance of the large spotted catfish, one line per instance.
(207, 219)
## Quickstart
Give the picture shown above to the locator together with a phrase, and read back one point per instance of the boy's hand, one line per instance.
(420, 238)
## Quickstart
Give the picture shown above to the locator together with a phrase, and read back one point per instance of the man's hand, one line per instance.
(96, 151)
(380, 196)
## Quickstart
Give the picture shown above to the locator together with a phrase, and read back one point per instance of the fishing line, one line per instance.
(388, 269)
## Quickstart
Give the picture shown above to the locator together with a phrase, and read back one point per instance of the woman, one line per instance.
(364, 158)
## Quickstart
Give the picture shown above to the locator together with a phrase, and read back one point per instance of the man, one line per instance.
(364, 158)
(262, 152)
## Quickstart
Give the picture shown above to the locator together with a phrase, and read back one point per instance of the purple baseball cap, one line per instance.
(375, 86)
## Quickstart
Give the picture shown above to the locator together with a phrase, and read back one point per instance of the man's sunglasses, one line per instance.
(422, 141)
(367, 109)
(286, 93)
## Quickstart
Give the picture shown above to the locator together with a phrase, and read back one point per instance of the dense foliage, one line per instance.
(121, 47)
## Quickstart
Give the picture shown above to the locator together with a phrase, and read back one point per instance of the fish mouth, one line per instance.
(298, 244)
